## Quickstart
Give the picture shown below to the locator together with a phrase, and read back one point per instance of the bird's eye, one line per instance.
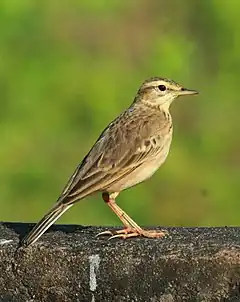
(162, 87)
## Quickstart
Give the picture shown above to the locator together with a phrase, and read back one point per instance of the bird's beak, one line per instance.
(185, 91)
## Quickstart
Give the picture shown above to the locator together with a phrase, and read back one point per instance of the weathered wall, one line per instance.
(70, 264)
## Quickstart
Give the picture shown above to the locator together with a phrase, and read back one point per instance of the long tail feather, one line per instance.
(45, 223)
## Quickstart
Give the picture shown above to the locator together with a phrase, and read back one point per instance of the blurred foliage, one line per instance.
(67, 68)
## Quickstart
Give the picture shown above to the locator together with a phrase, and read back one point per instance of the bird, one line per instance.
(128, 151)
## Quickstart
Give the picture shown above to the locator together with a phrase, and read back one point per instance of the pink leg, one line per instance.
(132, 229)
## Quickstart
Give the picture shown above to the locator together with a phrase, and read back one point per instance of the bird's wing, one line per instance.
(117, 152)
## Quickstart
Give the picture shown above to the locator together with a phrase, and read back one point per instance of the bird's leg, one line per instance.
(111, 202)
(132, 229)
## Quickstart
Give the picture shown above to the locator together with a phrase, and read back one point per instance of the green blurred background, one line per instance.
(67, 68)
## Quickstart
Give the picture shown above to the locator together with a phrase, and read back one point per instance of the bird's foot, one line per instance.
(130, 232)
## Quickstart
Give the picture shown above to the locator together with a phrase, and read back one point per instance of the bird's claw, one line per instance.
(104, 233)
(124, 235)
(129, 233)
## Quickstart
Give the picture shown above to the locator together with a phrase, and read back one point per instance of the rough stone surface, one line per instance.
(69, 263)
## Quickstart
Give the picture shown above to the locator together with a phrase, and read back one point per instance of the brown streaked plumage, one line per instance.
(128, 151)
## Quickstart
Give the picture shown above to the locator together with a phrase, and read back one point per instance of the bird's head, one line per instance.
(161, 92)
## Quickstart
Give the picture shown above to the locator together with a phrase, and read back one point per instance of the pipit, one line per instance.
(128, 151)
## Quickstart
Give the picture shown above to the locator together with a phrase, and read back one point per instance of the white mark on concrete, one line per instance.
(94, 261)
(4, 241)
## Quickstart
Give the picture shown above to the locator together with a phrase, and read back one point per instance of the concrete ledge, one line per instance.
(69, 264)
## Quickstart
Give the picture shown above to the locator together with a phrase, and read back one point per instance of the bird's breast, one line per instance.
(144, 171)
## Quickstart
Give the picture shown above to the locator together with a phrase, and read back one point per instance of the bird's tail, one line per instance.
(45, 223)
